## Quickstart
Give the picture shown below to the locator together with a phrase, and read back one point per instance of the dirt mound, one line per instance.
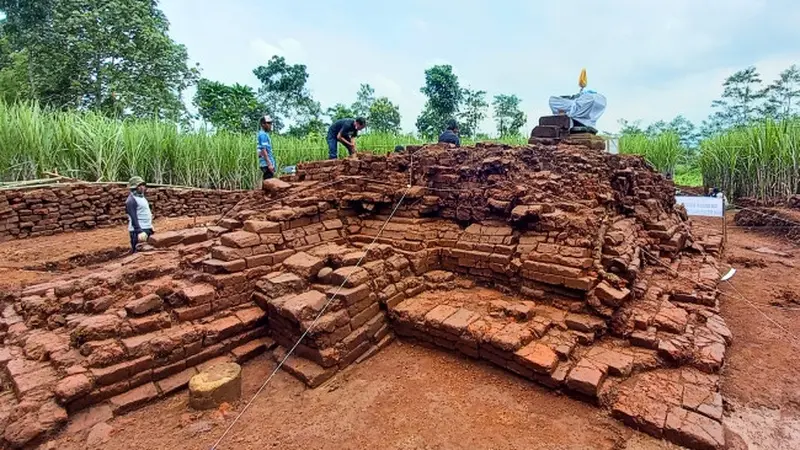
(775, 221)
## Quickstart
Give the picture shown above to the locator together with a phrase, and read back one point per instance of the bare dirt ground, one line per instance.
(410, 397)
(406, 397)
(761, 377)
(27, 261)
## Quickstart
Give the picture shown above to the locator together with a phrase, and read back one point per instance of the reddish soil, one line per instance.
(26, 261)
(760, 379)
(413, 397)
(389, 401)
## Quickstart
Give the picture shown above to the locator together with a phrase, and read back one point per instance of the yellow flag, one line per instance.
(582, 79)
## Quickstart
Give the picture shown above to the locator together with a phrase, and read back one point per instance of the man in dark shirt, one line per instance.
(344, 131)
(450, 135)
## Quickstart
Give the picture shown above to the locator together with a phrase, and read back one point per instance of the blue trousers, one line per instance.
(333, 148)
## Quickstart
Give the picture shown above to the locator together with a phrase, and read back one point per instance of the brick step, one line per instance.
(96, 385)
(562, 122)
(549, 132)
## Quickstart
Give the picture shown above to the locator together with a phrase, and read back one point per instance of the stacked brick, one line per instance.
(265, 242)
(50, 210)
(777, 221)
(579, 238)
(325, 285)
(122, 337)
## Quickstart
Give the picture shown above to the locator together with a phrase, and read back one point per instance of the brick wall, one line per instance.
(49, 210)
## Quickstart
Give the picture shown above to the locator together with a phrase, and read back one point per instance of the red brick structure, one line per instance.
(43, 211)
(584, 247)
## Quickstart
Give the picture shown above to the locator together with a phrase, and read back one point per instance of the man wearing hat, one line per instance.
(140, 218)
(450, 135)
(266, 158)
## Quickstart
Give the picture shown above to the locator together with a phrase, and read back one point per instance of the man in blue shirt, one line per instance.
(450, 135)
(344, 131)
(266, 158)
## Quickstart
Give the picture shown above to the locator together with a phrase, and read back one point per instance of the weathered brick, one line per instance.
(240, 239)
(261, 226)
(133, 399)
(365, 315)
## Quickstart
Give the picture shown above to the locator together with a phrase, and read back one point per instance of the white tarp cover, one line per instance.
(586, 109)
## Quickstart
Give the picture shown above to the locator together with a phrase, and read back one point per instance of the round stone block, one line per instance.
(216, 385)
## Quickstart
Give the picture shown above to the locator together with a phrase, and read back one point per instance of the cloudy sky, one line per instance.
(652, 59)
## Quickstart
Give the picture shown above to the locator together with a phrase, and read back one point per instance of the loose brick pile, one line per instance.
(573, 250)
(775, 220)
(45, 211)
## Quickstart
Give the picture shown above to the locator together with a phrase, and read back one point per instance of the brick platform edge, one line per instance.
(46, 211)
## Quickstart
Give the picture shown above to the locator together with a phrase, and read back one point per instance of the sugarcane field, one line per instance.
(196, 254)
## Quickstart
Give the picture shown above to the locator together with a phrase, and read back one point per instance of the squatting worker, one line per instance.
(140, 218)
(266, 157)
(344, 131)
(450, 135)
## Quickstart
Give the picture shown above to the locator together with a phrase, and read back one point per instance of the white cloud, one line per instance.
(289, 48)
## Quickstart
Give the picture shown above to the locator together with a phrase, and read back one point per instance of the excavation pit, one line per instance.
(555, 263)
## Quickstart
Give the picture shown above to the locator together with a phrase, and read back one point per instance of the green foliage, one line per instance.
(283, 88)
(340, 111)
(783, 95)
(475, 107)
(365, 97)
(741, 96)
(508, 115)
(663, 150)
(444, 100)
(761, 160)
(384, 116)
(91, 146)
(231, 108)
(109, 56)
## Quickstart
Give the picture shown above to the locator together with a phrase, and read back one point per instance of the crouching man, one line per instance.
(344, 131)
(140, 218)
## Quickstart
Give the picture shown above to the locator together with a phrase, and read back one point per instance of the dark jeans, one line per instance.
(333, 148)
(135, 238)
(266, 173)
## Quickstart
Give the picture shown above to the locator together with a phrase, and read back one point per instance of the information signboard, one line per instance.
(702, 206)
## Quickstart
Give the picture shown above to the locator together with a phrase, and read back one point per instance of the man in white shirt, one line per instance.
(140, 218)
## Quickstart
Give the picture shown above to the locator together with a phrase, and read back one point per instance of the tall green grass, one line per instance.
(761, 160)
(664, 151)
(92, 147)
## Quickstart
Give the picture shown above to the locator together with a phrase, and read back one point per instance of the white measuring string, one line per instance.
(311, 327)
(740, 296)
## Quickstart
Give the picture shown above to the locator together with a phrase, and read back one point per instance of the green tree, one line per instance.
(283, 88)
(686, 130)
(14, 84)
(308, 119)
(783, 95)
(340, 111)
(384, 116)
(365, 97)
(113, 56)
(233, 108)
(628, 127)
(444, 99)
(475, 107)
(508, 115)
(741, 98)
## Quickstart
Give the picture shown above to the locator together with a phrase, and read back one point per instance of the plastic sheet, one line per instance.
(586, 108)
